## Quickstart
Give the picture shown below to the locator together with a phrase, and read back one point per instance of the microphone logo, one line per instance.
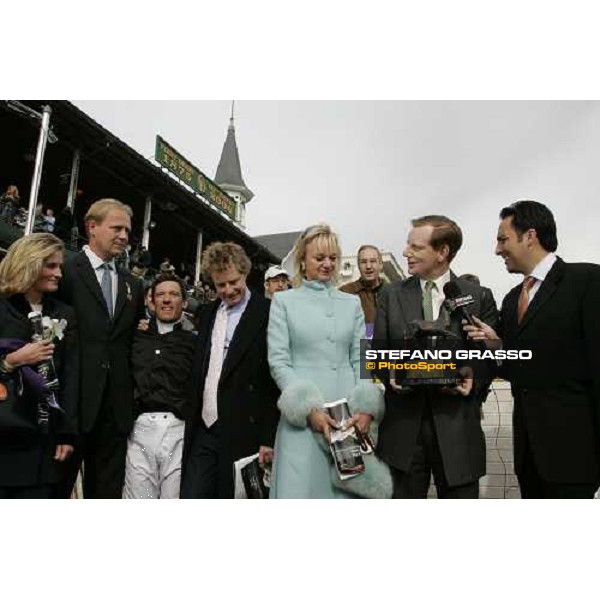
(460, 302)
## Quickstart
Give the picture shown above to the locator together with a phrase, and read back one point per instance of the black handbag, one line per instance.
(18, 416)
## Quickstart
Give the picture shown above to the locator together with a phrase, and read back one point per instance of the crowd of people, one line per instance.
(63, 225)
(13, 212)
(120, 386)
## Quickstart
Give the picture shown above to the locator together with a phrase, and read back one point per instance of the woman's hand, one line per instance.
(265, 455)
(63, 451)
(30, 354)
(362, 422)
(321, 422)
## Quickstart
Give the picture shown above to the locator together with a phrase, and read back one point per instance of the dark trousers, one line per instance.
(19, 492)
(103, 452)
(532, 485)
(208, 472)
(426, 460)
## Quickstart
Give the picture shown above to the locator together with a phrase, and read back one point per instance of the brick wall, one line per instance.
(500, 481)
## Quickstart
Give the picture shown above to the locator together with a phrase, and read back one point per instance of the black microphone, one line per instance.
(457, 301)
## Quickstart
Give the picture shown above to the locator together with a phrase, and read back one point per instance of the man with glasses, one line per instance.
(276, 280)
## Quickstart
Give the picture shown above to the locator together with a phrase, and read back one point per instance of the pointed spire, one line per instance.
(229, 171)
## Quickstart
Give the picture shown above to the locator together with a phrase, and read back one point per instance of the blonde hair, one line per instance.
(219, 256)
(24, 262)
(325, 236)
(12, 191)
(99, 210)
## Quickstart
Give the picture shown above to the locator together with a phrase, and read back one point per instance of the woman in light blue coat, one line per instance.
(314, 354)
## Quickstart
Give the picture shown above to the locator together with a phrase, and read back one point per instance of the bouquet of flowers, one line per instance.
(45, 328)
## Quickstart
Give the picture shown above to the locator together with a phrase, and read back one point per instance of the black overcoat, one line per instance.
(247, 395)
(28, 460)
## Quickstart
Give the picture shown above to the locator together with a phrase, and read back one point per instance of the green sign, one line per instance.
(184, 170)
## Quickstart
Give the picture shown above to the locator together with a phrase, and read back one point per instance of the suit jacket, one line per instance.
(557, 393)
(29, 461)
(247, 395)
(456, 418)
(105, 343)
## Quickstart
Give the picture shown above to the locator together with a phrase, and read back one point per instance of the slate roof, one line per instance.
(229, 171)
(278, 244)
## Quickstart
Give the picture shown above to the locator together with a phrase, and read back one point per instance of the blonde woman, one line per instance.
(33, 454)
(314, 354)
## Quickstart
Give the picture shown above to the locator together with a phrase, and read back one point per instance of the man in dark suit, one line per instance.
(431, 429)
(553, 313)
(236, 396)
(109, 304)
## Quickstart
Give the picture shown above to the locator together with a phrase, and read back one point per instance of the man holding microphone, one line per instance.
(554, 313)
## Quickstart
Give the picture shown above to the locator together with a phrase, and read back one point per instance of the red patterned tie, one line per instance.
(528, 283)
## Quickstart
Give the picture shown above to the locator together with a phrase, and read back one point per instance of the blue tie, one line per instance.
(106, 286)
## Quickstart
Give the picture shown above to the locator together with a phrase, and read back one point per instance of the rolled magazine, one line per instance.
(251, 480)
(346, 444)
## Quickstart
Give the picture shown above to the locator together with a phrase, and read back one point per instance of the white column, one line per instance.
(37, 171)
(198, 258)
(74, 180)
(147, 217)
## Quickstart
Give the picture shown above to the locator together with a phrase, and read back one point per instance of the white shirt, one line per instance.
(540, 272)
(234, 314)
(165, 327)
(437, 293)
(97, 263)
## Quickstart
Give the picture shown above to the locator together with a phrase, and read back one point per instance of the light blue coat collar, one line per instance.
(318, 286)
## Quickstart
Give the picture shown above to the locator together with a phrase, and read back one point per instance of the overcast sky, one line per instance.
(368, 167)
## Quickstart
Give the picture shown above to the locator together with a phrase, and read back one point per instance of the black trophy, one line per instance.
(427, 337)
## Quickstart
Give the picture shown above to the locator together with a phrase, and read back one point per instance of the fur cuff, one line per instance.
(367, 397)
(374, 483)
(298, 399)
